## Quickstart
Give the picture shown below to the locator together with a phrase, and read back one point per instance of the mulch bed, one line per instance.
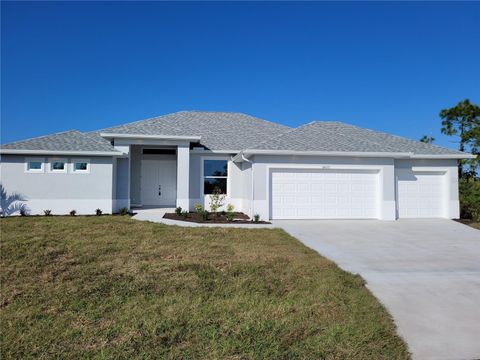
(466, 221)
(221, 218)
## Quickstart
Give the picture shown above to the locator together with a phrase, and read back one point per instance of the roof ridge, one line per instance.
(313, 123)
(138, 121)
(257, 118)
(279, 136)
(402, 138)
(289, 131)
(43, 136)
(373, 142)
(201, 111)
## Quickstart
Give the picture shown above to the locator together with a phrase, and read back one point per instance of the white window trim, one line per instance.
(52, 160)
(73, 161)
(202, 177)
(28, 160)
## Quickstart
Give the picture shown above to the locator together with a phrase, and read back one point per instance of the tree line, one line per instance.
(463, 122)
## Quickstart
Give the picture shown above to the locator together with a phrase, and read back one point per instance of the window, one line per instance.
(80, 166)
(58, 166)
(34, 165)
(215, 173)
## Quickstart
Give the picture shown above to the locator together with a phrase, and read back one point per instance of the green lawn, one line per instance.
(110, 287)
(475, 224)
(472, 223)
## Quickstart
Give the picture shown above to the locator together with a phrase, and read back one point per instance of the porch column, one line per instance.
(183, 176)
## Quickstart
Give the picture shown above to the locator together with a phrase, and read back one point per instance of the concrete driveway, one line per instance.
(426, 273)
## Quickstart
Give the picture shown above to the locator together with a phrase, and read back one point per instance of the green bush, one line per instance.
(198, 208)
(178, 210)
(230, 213)
(123, 211)
(469, 199)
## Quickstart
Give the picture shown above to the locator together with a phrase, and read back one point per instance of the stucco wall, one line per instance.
(246, 193)
(262, 164)
(60, 192)
(121, 193)
(135, 172)
(106, 185)
(234, 184)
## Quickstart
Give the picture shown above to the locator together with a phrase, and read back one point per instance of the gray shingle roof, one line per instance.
(71, 140)
(218, 130)
(236, 132)
(337, 136)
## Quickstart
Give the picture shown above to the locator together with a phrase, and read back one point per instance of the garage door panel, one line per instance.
(420, 194)
(324, 194)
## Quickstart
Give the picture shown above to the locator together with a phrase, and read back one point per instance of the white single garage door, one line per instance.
(324, 194)
(420, 194)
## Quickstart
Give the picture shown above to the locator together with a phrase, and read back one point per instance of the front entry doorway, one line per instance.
(159, 180)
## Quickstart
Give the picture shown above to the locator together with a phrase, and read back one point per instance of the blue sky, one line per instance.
(385, 66)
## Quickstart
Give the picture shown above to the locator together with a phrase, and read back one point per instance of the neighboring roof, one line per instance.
(71, 141)
(218, 130)
(329, 136)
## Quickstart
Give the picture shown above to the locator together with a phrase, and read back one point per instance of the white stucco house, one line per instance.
(319, 170)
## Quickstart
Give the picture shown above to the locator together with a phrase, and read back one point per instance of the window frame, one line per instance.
(29, 160)
(203, 176)
(75, 161)
(53, 171)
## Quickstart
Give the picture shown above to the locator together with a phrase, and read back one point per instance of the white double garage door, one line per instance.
(352, 194)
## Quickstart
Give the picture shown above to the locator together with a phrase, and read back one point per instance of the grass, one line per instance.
(469, 222)
(113, 287)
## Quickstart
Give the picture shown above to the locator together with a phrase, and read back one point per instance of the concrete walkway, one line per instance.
(426, 273)
(156, 215)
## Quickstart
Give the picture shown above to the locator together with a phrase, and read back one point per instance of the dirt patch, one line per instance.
(220, 218)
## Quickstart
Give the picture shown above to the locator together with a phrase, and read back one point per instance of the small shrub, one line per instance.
(47, 212)
(185, 214)
(24, 210)
(98, 212)
(230, 214)
(198, 208)
(123, 211)
(256, 218)
(178, 210)
(73, 212)
(216, 200)
(204, 215)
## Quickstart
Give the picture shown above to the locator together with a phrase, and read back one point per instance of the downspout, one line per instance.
(253, 187)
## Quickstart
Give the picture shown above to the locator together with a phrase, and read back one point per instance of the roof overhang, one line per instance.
(208, 151)
(152, 137)
(245, 154)
(60, 153)
(444, 156)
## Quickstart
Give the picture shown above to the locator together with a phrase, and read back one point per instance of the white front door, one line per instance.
(420, 194)
(324, 194)
(159, 182)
